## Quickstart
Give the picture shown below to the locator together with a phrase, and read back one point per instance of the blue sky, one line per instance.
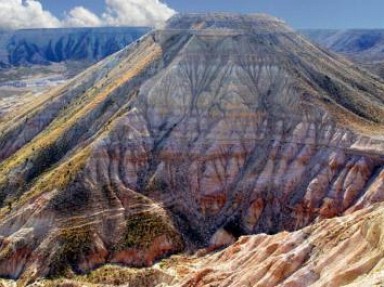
(298, 13)
(341, 14)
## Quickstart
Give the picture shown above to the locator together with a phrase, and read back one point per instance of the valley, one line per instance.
(221, 150)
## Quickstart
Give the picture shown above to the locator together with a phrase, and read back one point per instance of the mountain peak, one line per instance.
(188, 140)
(224, 20)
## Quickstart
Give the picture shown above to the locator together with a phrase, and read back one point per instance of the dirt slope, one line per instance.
(216, 127)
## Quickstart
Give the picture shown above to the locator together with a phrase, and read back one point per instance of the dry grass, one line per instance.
(72, 115)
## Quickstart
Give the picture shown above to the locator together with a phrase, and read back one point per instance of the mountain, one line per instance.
(46, 46)
(365, 47)
(37, 60)
(218, 130)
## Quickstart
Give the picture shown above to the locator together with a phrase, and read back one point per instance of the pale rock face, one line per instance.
(189, 139)
(221, 238)
(345, 251)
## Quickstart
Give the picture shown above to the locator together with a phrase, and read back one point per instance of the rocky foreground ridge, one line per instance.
(217, 127)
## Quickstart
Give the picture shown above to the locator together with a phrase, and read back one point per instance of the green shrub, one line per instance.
(143, 228)
(74, 243)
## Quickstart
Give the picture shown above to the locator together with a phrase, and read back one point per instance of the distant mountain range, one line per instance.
(46, 46)
(365, 47)
(220, 130)
(79, 48)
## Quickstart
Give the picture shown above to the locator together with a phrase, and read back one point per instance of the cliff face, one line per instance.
(216, 127)
(45, 46)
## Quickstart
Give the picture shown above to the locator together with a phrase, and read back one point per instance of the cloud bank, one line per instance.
(136, 12)
(81, 17)
(17, 14)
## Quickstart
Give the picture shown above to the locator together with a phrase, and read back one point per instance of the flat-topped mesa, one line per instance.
(233, 21)
(186, 140)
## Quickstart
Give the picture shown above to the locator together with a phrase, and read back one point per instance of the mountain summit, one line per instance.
(198, 21)
(215, 127)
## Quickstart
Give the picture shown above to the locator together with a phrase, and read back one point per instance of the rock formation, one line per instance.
(216, 127)
(342, 251)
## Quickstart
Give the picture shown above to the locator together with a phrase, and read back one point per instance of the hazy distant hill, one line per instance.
(218, 130)
(45, 46)
(365, 47)
(369, 43)
(36, 60)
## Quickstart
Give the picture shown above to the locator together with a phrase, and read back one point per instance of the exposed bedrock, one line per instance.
(271, 177)
(345, 251)
(189, 138)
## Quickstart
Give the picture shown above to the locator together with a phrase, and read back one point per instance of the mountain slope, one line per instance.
(365, 47)
(366, 43)
(36, 60)
(334, 252)
(343, 251)
(218, 126)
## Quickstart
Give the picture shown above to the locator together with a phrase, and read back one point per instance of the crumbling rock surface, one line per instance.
(216, 127)
(334, 252)
(342, 251)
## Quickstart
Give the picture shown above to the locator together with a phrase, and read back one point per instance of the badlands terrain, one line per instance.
(221, 150)
(34, 61)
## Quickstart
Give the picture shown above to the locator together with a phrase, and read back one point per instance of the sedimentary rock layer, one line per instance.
(217, 127)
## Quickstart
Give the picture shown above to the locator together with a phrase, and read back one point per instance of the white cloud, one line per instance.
(136, 12)
(81, 17)
(17, 14)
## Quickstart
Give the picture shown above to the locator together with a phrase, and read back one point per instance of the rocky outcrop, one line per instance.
(343, 251)
(217, 127)
(335, 252)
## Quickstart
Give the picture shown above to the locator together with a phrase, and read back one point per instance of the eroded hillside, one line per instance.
(216, 127)
(343, 251)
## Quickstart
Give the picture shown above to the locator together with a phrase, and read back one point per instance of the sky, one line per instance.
(338, 14)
